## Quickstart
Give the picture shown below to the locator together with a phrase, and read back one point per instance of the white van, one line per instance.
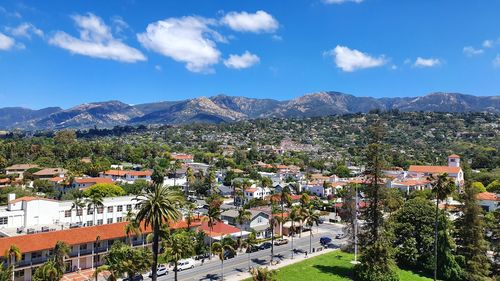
(185, 264)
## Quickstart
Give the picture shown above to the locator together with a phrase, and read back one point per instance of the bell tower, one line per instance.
(453, 160)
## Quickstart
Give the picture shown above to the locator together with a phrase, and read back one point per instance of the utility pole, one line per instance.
(356, 228)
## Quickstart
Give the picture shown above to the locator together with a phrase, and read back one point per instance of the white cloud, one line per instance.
(341, 1)
(158, 67)
(247, 22)
(188, 39)
(496, 61)
(471, 51)
(488, 43)
(245, 60)
(6, 42)
(25, 29)
(430, 62)
(96, 40)
(350, 60)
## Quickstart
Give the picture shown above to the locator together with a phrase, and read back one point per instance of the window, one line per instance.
(67, 214)
(99, 222)
(83, 247)
(119, 219)
(19, 273)
(90, 211)
(119, 208)
(4, 220)
(100, 210)
(110, 220)
(79, 212)
(90, 223)
(110, 209)
(129, 207)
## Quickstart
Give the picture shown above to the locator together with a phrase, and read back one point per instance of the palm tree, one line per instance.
(294, 217)
(179, 246)
(13, 254)
(285, 198)
(5, 272)
(310, 217)
(243, 216)
(94, 202)
(61, 252)
(132, 227)
(249, 243)
(262, 274)
(48, 271)
(272, 221)
(112, 275)
(158, 207)
(190, 207)
(226, 245)
(442, 187)
(213, 216)
(190, 178)
(78, 204)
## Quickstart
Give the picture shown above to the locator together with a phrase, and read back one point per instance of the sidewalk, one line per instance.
(297, 258)
(84, 275)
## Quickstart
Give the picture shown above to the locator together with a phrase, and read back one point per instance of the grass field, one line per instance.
(333, 266)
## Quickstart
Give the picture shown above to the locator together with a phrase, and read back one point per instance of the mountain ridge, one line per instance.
(224, 108)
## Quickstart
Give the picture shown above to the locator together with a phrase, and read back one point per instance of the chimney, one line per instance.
(11, 196)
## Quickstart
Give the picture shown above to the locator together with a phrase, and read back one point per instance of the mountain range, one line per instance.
(224, 108)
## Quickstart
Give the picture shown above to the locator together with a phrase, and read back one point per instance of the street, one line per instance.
(211, 269)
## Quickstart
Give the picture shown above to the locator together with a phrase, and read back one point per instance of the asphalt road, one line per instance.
(211, 269)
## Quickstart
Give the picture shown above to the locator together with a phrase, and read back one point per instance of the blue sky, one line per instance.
(62, 53)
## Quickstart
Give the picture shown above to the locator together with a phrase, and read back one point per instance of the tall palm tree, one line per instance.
(213, 216)
(179, 246)
(243, 216)
(285, 198)
(226, 245)
(78, 205)
(310, 217)
(442, 187)
(190, 207)
(249, 243)
(61, 252)
(13, 254)
(272, 222)
(294, 217)
(94, 202)
(158, 206)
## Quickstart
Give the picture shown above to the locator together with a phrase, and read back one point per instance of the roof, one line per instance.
(454, 156)
(434, 169)
(182, 156)
(93, 180)
(6, 180)
(219, 229)
(49, 171)
(251, 190)
(127, 172)
(21, 167)
(30, 198)
(46, 240)
(56, 179)
(487, 196)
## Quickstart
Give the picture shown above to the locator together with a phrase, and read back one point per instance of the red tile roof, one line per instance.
(94, 180)
(128, 172)
(4, 180)
(30, 198)
(454, 156)
(219, 229)
(487, 196)
(46, 240)
(434, 169)
(182, 156)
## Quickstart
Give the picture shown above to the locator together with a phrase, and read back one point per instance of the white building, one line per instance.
(488, 201)
(318, 190)
(453, 170)
(35, 214)
(256, 193)
(128, 176)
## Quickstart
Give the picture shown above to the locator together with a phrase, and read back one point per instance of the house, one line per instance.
(88, 246)
(259, 222)
(453, 170)
(84, 183)
(408, 185)
(220, 230)
(488, 201)
(256, 193)
(128, 176)
(319, 190)
(4, 182)
(48, 173)
(182, 157)
(19, 169)
(36, 214)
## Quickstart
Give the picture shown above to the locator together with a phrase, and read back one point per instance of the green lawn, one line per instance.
(333, 266)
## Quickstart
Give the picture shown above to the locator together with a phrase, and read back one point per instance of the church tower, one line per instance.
(453, 160)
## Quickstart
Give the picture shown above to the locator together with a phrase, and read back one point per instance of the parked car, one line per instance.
(160, 270)
(340, 236)
(280, 242)
(325, 240)
(202, 256)
(252, 249)
(137, 277)
(299, 251)
(185, 264)
(229, 255)
(265, 245)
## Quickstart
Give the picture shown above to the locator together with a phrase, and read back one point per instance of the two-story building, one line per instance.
(256, 193)
(453, 170)
(128, 176)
